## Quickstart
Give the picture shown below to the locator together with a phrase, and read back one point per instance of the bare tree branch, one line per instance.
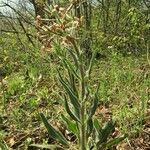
(27, 35)
(12, 31)
(17, 12)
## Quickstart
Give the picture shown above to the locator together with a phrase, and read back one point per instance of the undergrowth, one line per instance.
(124, 83)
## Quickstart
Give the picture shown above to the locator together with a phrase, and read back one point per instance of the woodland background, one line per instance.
(117, 31)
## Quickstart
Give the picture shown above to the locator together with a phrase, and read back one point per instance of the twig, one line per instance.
(11, 31)
(17, 12)
(27, 35)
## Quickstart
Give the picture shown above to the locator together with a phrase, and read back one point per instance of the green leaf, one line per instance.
(73, 84)
(97, 125)
(56, 135)
(70, 125)
(69, 67)
(59, 50)
(93, 107)
(43, 146)
(91, 113)
(70, 112)
(89, 127)
(105, 131)
(74, 58)
(90, 65)
(115, 141)
(95, 103)
(72, 96)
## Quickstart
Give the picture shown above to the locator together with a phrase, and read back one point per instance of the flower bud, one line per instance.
(38, 17)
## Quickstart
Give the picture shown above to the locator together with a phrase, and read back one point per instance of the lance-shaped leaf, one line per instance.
(73, 84)
(56, 135)
(70, 112)
(97, 128)
(91, 113)
(72, 96)
(93, 107)
(115, 141)
(74, 56)
(72, 75)
(88, 72)
(70, 125)
(69, 67)
(89, 127)
(95, 104)
(105, 132)
(97, 125)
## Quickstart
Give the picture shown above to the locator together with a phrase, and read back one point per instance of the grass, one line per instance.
(125, 81)
(33, 88)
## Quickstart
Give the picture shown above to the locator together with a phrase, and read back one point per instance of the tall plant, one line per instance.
(59, 33)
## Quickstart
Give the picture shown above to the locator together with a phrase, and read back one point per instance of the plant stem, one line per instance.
(82, 131)
(82, 94)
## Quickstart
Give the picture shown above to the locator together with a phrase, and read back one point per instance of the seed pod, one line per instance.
(61, 11)
(56, 7)
(38, 17)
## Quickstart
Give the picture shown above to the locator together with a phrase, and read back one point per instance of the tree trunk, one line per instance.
(38, 7)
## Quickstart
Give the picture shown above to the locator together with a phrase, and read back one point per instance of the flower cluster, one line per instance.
(60, 27)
